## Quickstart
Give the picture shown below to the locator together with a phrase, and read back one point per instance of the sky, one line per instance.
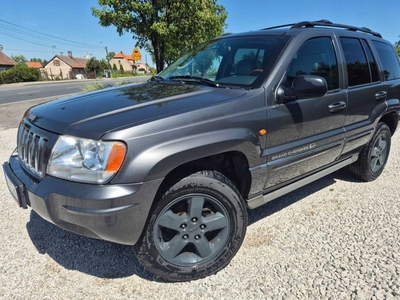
(41, 29)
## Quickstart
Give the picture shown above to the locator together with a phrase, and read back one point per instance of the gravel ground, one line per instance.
(337, 238)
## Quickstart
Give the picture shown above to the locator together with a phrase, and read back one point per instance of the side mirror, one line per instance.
(304, 86)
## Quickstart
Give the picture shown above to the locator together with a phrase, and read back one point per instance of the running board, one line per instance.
(262, 199)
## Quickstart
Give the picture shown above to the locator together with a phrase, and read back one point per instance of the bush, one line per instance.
(20, 73)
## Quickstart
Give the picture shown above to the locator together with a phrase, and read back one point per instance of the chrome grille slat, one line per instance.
(31, 147)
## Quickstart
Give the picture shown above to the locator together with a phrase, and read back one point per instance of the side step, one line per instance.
(262, 199)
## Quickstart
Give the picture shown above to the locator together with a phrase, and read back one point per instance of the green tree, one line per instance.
(165, 28)
(93, 65)
(111, 55)
(42, 61)
(397, 46)
(121, 68)
(114, 67)
(103, 64)
(21, 59)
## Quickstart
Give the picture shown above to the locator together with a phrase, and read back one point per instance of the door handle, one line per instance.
(337, 106)
(380, 95)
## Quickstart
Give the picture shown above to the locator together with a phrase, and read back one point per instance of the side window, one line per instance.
(371, 61)
(315, 57)
(389, 60)
(358, 69)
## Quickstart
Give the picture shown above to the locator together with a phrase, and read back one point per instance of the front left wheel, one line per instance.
(195, 229)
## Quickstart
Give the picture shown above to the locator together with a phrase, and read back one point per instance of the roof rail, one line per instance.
(327, 24)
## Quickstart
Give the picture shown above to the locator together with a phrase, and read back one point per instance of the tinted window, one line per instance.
(389, 60)
(315, 57)
(357, 66)
(371, 61)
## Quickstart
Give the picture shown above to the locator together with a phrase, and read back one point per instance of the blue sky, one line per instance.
(72, 20)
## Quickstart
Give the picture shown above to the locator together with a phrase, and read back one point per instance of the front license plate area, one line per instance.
(16, 187)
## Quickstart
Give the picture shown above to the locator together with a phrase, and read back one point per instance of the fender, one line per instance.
(157, 161)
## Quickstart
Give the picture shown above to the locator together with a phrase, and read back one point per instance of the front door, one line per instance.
(307, 134)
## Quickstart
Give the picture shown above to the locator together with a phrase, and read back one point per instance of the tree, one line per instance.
(93, 65)
(110, 55)
(103, 64)
(21, 59)
(42, 61)
(165, 28)
(397, 46)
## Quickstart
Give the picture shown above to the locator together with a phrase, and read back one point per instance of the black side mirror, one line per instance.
(304, 86)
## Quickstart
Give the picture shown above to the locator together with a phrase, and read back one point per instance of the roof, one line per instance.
(73, 62)
(6, 61)
(122, 55)
(34, 64)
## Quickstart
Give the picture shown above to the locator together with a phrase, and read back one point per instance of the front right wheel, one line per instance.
(374, 155)
(195, 229)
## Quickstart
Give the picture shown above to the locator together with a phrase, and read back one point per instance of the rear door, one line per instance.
(307, 134)
(366, 92)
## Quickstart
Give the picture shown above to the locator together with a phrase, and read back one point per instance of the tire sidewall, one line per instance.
(382, 129)
(212, 184)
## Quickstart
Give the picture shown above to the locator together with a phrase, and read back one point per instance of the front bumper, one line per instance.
(115, 213)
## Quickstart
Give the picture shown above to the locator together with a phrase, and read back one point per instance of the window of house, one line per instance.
(315, 57)
(389, 60)
(358, 69)
(57, 62)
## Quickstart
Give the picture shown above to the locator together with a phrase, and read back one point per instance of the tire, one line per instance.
(374, 155)
(195, 229)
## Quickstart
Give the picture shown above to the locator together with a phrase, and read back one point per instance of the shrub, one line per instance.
(20, 73)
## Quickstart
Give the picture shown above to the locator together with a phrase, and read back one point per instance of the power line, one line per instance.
(50, 51)
(58, 39)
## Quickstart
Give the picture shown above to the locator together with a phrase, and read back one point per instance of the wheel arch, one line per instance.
(232, 164)
(391, 119)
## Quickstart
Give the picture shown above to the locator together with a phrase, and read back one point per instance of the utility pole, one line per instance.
(108, 62)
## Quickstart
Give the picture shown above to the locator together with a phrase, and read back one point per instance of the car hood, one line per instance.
(93, 114)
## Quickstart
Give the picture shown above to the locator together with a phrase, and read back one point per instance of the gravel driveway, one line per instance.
(337, 238)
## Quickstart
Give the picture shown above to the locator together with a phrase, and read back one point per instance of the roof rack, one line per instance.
(327, 24)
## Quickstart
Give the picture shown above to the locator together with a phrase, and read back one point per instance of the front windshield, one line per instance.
(238, 61)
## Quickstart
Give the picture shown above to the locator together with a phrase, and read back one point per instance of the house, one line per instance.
(129, 65)
(6, 62)
(65, 67)
(34, 64)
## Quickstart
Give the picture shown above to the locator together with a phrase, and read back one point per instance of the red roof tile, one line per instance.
(6, 61)
(34, 64)
(122, 55)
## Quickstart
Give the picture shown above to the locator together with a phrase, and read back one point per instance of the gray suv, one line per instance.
(171, 166)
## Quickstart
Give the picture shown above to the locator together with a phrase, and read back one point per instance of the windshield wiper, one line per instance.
(156, 78)
(198, 79)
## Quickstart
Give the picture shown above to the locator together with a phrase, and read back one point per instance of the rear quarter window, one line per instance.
(390, 61)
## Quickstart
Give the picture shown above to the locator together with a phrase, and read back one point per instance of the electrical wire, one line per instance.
(41, 36)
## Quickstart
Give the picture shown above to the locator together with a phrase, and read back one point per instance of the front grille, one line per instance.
(31, 148)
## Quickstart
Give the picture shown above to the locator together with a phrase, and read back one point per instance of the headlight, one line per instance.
(85, 160)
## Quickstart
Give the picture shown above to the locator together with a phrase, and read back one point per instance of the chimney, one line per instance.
(70, 54)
